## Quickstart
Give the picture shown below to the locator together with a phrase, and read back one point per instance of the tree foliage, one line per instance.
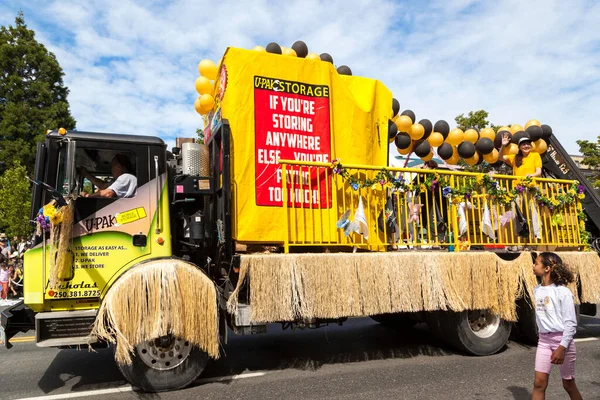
(475, 119)
(33, 97)
(15, 201)
(591, 156)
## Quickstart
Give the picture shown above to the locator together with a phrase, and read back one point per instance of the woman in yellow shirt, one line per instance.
(526, 162)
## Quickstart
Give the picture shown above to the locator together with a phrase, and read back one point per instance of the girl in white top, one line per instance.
(557, 324)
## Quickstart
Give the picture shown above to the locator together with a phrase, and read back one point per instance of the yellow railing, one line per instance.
(315, 199)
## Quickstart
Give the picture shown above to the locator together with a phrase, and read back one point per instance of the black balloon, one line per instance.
(403, 140)
(273, 48)
(395, 107)
(499, 136)
(423, 149)
(344, 70)
(445, 151)
(300, 48)
(484, 146)
(392, 129)
(427, 126)
(326, 57)
(535, 132)
(466, 149)
(518, 135)
(546, 132)
(442, 127)
(410, 114)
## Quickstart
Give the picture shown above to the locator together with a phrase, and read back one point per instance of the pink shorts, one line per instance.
(549, 342)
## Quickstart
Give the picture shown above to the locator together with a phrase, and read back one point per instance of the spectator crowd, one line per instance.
(11, 266)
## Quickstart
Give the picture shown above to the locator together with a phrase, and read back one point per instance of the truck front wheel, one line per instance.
(476, 332)
(165, 363)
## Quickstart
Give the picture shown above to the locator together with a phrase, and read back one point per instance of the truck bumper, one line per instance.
(15, 319)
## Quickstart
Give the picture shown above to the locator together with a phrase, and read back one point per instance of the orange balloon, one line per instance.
(532, 122)
(198, 107)
(405, 151)
(504, 128)
(313, 56)
(473, 160)
(491, 158)
(403, 122)
(203, 85)
(487, 133)
(540, 146)
(289, 52)
(453, 160)
(511, 149)
(417, 131)
(208, 69)
(516, 128)
(428, 156)
(471, 135)
(207, 102)
(455, 137)
(435, 139)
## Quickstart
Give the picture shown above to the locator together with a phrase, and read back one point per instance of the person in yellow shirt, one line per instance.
(526, 162)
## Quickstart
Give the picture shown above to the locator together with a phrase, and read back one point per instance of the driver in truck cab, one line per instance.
(124, 185)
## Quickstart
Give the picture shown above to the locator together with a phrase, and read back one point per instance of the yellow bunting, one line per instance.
(487, 133)
(471, 135)
(516, 128)
(208, 69)
(532, 122)
(417, 131)
(511, 149)
(203, 85)
(491, 158)
(260, 49)
(455, 137)
(403, 122)
(313, 56)
(540, 146)
(435, 139)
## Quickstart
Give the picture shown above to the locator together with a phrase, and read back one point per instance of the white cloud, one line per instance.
(130, 65)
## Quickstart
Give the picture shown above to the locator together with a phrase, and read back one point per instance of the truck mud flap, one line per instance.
(15, 319)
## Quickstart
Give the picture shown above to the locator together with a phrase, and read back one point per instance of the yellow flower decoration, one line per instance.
(581, 196)
(49, 210)
(56, 218)
(422, 188)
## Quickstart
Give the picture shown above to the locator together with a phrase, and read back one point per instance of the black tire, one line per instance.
(454, 328)
(149, 379)
(396, 321)
(527, 325)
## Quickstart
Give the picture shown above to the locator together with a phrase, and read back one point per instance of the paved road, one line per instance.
(361, 360)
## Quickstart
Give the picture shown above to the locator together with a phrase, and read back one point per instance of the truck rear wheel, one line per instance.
(476, 332)
(165, 363)
(396, 321)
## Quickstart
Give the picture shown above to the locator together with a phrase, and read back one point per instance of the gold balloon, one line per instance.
(417, 131)
(453, 160)
(313, 56)
(504, 128)
(435, 139)
(203, 85)
(540, 146)
(516, 128)
(533, 147)
(473, 160)
(428, 156)
(471, 135)
(404, 123)
(455, 137)
(289, 52)
(491, 158)
(198, 107)
(487, 133)
(532, 122)
(511, 149)
(207, 102)
(208, 69)
(405, 151)
(260, 49)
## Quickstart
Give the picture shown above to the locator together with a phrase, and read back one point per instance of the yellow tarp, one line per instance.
(285, 107)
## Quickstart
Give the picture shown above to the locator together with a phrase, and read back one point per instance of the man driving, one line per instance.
(124, 185)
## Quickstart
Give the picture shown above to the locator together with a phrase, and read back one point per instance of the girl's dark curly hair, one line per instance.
(560, 274)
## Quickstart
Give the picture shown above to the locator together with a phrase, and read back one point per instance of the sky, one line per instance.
(131, 65)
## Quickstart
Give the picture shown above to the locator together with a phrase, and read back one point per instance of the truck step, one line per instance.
(64, 328)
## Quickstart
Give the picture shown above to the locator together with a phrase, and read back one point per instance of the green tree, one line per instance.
(15, 193)
(33, 97)
(200, 134)
(591, 156)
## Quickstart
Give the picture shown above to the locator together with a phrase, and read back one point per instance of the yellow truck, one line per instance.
(287, 213)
